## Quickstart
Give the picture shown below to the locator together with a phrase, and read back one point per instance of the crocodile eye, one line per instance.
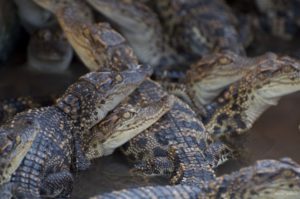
(127, 115)
(18, 140)
(118, 78)
(224, 61)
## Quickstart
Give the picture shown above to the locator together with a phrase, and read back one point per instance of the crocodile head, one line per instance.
(236, 110)
(16, 139)
(49, 51)
(211, 75)
(127, 14)
(95, 94)
(141, 27)
(97, 45)
(125, 122)
(265, 179)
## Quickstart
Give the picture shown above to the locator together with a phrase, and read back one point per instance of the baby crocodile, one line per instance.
(49, 51)
(264, 179)
(235, 111)
(16, 140)
(177, 146)
(63, 133)
(177, 33)
(132, 116)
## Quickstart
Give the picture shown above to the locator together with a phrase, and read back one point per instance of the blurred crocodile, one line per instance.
(264, 179)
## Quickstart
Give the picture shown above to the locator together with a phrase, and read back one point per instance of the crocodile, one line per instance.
(234, 112)
(176, 146)
(218, 152)
(208, 77)
(96, 44)
(148, 90)
(16, 140)
(132, 116)
(278, 17)
(142, 28)
(264, 179)
(179, 32)
(49, 51)
(63, 133)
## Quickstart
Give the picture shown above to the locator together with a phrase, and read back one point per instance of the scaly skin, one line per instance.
(211, 75)
(16, 140)
(200, 27)
(208, 77)
(279, 17)
(131, 117)
(264, 179)
(241, 105)
(190, 29)
(116, 86)
(238, 108)
(96, 44)
(10, 107)
(177, 146)
(49, 51)
(45, 169)
(141, 27)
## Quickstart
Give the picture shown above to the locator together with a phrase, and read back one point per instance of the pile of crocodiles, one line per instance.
(170, 86)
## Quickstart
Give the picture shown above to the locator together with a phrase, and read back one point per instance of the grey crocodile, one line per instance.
(63, 134)
(264, 179)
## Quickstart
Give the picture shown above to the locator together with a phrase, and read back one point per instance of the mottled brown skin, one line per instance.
(265, 179)
(16, 140)
(131, 117)
(207, 78)
(177, 146)
(235, 111)
(104, 92)
(141, 27)
(63, 134)
(200, 27)
(177, 32)
(278, 17)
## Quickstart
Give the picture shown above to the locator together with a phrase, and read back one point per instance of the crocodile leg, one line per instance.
(218, 153)
(173, 146)
(58, 184)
